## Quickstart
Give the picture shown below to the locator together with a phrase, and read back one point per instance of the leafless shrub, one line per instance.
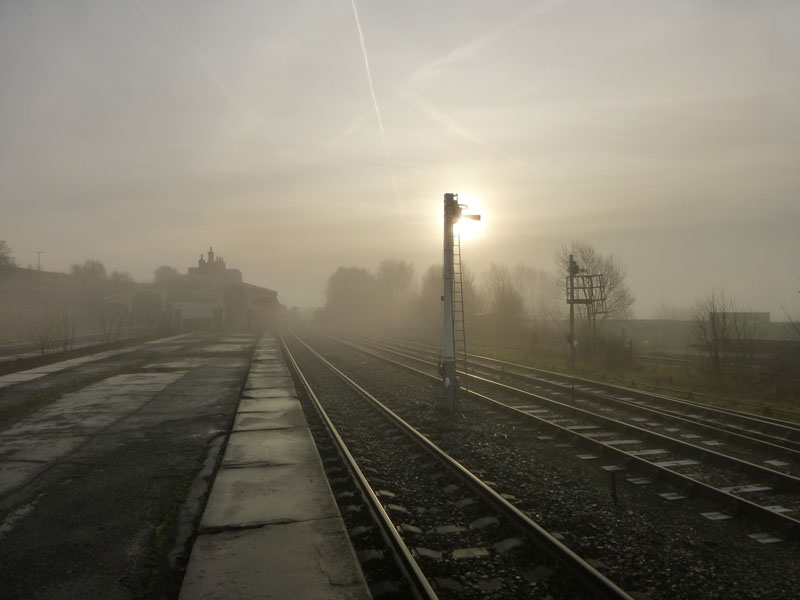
(505, 304)
(41, 331)
(723, 334)
(63, 327)
(109, 324)
(53, 330)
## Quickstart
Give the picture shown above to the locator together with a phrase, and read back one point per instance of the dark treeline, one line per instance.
(57, 311)
(504, 303)
(525, 307)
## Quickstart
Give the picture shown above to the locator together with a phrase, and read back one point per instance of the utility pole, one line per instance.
(38, 254)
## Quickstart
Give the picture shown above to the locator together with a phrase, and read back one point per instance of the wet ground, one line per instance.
(104, 467)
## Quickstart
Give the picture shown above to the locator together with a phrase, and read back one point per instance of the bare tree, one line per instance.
(121, 277)
(619, 299)
(165, 275)
(541, 292)
(90, 270)
(170, 283)
(793, 323)
(474, 302)
(396, 278)
(504, 302)
(666, 311)
(53, 330)
(723, 334)
(428, 304)
(63, 327)
(429, 301)
(352, 298)
(41, 331)
(6, 257)
(793, 326)
(110, 319)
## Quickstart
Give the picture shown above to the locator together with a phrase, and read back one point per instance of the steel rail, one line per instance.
(785, 445)
(594, 581)
(419, 586)
(731, 434)
(779, 522)
(791, 427)
(756, 470)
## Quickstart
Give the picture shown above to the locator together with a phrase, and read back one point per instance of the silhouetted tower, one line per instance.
(453, 303)
(572, 270)
(586, 289)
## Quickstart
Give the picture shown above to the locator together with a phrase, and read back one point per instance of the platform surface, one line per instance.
(271, 528)
(95, 455)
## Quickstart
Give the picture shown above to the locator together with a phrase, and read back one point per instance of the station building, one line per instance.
(208, 296)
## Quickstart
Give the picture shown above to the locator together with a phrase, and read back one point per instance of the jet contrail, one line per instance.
(434, 69)
(375, 101)
(221, 85)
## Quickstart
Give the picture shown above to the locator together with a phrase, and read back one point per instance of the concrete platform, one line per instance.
(271, 528)
(89, 472)
(57, 367)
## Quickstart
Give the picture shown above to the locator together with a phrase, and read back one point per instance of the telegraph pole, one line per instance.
(38, 254)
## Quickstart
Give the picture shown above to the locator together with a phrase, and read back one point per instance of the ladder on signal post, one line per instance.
(459, 331)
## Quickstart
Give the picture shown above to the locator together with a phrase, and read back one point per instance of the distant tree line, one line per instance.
(729, 341)
(526, 306)
(61, 311)
(94, 270)
(504, 302)
(6, 257)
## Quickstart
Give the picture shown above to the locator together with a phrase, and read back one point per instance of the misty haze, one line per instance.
(557, 238)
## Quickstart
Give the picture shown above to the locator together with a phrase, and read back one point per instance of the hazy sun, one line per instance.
(469, 228)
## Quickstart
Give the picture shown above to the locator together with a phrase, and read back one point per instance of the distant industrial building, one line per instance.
(674, 337)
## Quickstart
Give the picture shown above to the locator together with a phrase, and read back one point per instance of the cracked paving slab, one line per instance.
(88, 477)
(230, 564)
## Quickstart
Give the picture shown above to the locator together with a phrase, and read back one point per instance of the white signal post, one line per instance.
(452, 214)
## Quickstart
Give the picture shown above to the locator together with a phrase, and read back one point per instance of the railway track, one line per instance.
(777, 431)
(645, 544)
(738, 486)
(639, 539)
(770, 443)
(436, 518)
(386, 561)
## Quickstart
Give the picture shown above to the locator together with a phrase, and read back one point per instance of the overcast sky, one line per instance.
(667, 133)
